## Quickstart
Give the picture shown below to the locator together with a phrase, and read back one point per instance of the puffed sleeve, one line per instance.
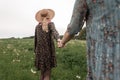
(55, 33)
(78, 16)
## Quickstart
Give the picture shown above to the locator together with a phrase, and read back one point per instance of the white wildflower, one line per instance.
(15, 60)
(4, 52)
(26, 50)
(18, 60)
(78, 77)
(34, 72)
(57, 52)
(17, 54)
(15, 50)
(9, 46)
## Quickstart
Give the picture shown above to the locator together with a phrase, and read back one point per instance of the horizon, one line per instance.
(17, 16)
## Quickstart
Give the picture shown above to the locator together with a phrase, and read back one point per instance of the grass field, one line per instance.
(17, 60)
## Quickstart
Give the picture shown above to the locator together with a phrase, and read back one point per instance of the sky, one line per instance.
(17, 17)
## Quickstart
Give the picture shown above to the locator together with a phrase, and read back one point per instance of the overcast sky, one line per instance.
(17, 16)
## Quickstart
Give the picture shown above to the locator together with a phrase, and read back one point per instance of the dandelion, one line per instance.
(78, 77)
(34, 72)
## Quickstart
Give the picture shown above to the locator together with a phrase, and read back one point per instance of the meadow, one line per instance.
(17, 60)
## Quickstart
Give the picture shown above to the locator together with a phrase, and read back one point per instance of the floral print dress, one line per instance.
(103, 36)
(45, 57)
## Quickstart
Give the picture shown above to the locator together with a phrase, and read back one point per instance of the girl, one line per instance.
(45, 32)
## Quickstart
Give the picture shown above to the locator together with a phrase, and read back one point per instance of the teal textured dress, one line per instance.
(103, 36)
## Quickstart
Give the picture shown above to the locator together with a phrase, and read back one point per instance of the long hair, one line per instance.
(45, 21)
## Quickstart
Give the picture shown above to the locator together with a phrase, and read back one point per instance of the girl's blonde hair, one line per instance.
(44, 21)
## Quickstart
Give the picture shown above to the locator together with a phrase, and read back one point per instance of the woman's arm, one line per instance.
(65, 39)
(77, 21)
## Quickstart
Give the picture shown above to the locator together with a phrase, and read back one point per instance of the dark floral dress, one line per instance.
(103, 36)
(45, 58)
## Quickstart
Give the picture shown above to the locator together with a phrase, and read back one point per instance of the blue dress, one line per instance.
(103, 36)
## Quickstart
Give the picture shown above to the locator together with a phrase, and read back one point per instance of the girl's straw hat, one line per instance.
(42, 13)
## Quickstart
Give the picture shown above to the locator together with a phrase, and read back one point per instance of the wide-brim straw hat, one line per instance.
(50, 14)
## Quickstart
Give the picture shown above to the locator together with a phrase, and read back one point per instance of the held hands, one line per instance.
(67, 37)
(60, 44)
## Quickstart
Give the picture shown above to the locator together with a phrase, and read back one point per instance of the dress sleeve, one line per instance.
(55, 33)
(35, 40)
(78, 16)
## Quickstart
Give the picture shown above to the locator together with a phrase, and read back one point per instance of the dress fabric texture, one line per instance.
(103, 36)
(45, 58)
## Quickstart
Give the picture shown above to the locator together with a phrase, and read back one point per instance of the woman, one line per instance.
(45, 32)
(103, 36)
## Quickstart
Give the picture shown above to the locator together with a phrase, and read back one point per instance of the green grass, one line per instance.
(17, 60)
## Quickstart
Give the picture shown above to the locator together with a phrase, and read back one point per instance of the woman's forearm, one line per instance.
(66, 37)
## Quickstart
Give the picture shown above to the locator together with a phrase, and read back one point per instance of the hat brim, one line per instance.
(38, 17)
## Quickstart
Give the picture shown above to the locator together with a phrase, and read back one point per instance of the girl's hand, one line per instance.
(60, 44)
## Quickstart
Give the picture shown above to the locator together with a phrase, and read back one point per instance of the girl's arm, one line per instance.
(55, 32)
